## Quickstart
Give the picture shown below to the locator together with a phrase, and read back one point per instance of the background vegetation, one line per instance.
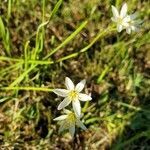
(42, 42)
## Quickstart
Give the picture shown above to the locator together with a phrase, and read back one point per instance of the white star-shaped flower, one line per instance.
(120, 18)
(69, 121)
(72, 94)
(133, 24)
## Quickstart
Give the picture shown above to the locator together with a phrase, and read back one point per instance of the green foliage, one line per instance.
(4, 34)
(42, 42)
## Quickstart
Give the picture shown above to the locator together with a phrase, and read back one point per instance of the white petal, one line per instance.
(127, 19)
(80, 124)
(84, 97)
(128, 30)
(61, 92)
(69, 84)
(123, 11)
(77, 107)
(115, 11)
(64, 103)
(133, 28)
(79, 87)
(119, 28)
(124, 24)
(67, 111)
(72, 130)
(62, 117)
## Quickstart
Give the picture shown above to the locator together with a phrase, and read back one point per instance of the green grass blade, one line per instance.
(28, 88)
(72, 36)
(22, 76)
(58, 4)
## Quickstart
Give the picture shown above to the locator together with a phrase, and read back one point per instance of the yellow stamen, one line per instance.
(71, 119)
(73, 95)
(120, 20)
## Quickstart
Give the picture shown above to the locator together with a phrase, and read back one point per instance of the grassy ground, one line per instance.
(42, 42)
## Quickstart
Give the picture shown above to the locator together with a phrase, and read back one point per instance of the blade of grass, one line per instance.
(4, 34)
(38, 62)
(19, 79)
(66, 41)
(100, 34)
(41, 62)
(11, 68)
(28, 88)
(2, 28)
(39, 40)
(9, 10)
(22, 76)
(54, 11)
(26, 55)
(133, 107)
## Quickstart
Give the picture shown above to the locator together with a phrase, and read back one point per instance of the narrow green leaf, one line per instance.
(77, 31)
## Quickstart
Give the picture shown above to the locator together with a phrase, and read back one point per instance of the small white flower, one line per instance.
(120, 18)
(133, 25)
(69, 121)
(72, 94)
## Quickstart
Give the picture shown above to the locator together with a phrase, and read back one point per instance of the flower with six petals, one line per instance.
(125, 21)
(120, 18)
(72, 94)
(69, 121)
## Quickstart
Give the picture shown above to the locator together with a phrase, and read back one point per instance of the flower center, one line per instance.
(73, 95)
(120, 20)
(71, 118)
